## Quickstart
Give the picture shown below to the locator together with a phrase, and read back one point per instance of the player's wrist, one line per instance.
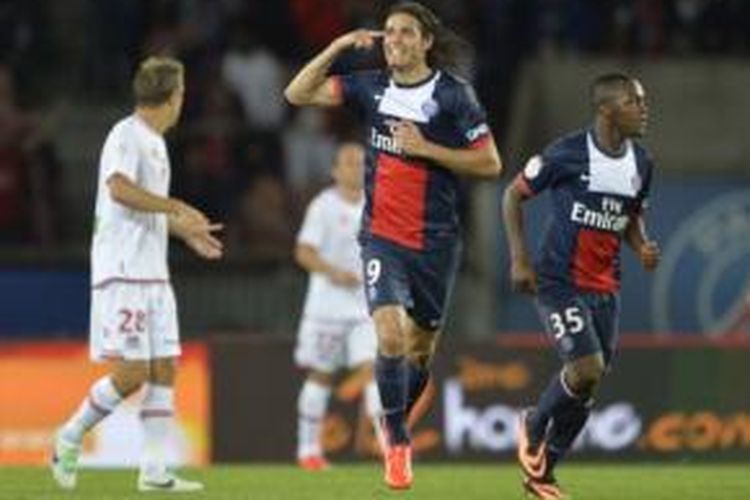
(519, 258)
(430, 150)
(174, 206)
(337, 46)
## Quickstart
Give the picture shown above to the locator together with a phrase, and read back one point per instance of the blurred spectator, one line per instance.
(262, 228)
(28, 172)
(209, 152)
(309, 152)
(318, 21)
(241, 131)
(26, 42)
(114, 30)
(256, 76)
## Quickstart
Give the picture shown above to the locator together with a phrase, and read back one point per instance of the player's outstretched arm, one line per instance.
(647, 251)
(483, 161)
(126, 192)
(522, 275)
(312, 86)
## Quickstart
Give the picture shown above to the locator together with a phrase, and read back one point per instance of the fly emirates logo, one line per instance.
(609, 218)
(384, 142)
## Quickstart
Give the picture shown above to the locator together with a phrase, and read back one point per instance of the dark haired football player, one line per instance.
(598, 179)
(424, 127)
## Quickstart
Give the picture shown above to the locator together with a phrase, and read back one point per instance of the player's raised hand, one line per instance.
(344, 278)
(358, 39)
(649, 255)
(409, 138)
(522, 276)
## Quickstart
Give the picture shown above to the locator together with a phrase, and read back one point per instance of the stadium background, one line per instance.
(245, 157)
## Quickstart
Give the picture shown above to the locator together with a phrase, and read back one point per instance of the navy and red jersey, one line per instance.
(594, 196)
(412, 202)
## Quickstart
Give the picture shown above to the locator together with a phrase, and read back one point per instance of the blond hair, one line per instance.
(156, 79)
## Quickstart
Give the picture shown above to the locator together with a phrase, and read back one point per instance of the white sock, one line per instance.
(101, 400)
(157, 417)
(311, 408)
(374, 410)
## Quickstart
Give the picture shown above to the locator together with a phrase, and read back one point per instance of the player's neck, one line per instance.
(608, 138)
(411, 75)
(153, 118)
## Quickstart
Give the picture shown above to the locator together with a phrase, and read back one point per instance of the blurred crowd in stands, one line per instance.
(240, 152)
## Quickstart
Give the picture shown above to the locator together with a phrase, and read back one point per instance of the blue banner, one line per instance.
(703, 228)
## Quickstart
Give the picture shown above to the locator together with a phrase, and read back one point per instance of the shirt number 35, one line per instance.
(570, 321)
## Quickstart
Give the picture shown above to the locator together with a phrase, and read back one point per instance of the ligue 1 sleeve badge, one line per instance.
(705, 268)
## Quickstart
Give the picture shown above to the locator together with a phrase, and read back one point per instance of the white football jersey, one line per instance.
(331, 226)
(128, 244)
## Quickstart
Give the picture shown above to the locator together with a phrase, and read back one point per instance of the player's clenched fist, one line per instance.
(522, 276)
(649, 255)
(409, 138)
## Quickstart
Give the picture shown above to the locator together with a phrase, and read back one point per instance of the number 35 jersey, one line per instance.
(594, 197)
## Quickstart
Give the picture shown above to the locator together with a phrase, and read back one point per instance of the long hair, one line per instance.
(449, 51)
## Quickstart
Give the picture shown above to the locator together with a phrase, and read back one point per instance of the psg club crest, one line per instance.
(635, 183)
(430, 108)
(705, 269)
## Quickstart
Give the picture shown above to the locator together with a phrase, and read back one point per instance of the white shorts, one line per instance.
(327, 345)
(133, 321)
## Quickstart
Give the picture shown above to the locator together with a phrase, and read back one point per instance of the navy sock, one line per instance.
(391, 376)
(564, 431)
(417, 377)
(554, 401)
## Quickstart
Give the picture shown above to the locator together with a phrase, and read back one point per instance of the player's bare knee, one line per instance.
(364, 370)
(583, 375)
(421, 346)
(390, 331)
(129, 376)
(390, 344)
(162, 371)
(421, 358)
(320, 377)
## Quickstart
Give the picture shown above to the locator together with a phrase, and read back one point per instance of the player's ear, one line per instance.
(606, 108)
(429, 40)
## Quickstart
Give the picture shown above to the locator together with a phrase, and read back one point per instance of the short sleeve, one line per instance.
(542, 171)
(646, 175)
(123, 158)
(471, 118)
(354, 90)
(312, 231)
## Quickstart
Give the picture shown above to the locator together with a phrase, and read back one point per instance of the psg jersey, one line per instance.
(410, 201)
(594, 195)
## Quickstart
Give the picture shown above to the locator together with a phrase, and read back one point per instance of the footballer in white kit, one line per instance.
(133, 312)
(336, 330)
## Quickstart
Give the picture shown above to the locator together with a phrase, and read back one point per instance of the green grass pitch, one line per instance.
(432, 482)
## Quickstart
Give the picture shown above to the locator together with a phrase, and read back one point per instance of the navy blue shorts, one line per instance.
(421, 281)
(581, 324)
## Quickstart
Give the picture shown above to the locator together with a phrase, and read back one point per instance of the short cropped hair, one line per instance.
(607, 87)
(156, 80)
